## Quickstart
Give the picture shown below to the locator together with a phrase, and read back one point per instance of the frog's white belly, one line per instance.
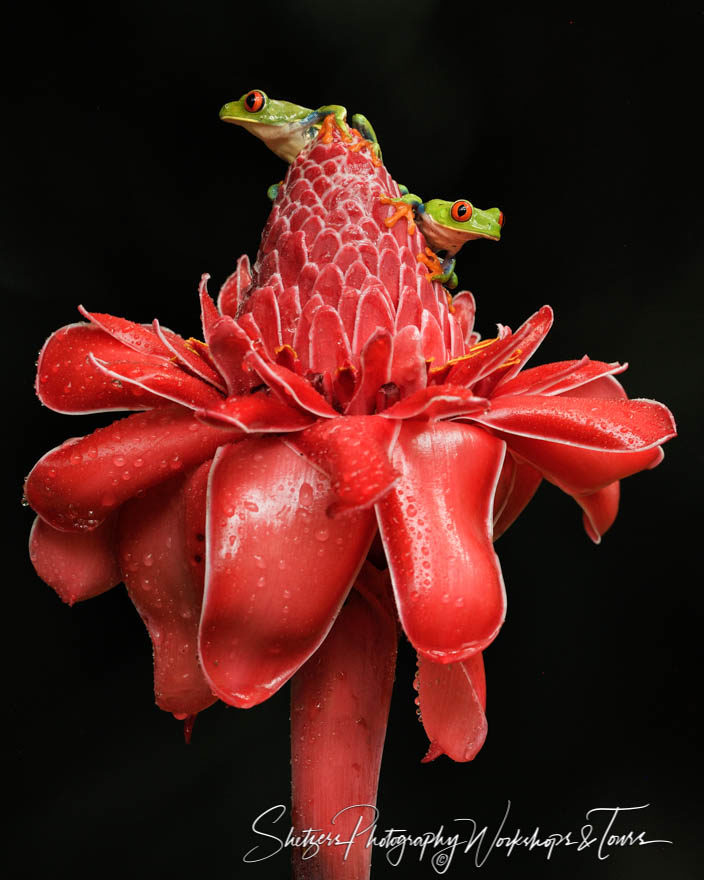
(285, 140)
(440, 238)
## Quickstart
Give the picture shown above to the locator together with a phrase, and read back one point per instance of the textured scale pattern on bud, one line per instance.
(331, 281)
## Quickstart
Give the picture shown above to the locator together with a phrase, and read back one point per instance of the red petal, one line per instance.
(208, 310)
(234, 290)
(604, 424)
(264, 308)
(339, 709)
(77, 566)
(497, 355)
(290, 309)
(292, 256)
(301, 340)
(329, 347)
(437, 402)
(451, 697)
(410, 309)
(291, 387)
(529, 337)
(160, 376)
(353, 451)
(604, 387)
(138, 337)
(600, 510)
(432, 341)
(278, 568)
(76, 485)
(329, 284)
(557, 378)
(256, 413)
(160, 580)
(228, 344)
(68, 382)
(184, 355)
(375, 371)
(436, 528)
(465, 309)
(389, 271)
(373, 313)
(409, 371)
(578, 470)
(524, 485)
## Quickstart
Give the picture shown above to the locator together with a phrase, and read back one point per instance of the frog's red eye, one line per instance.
(461, 211)
(254, 100)
(501, 218)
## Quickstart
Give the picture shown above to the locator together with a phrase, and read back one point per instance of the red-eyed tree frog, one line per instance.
(446, 226)
(287, 128)
(284, 127)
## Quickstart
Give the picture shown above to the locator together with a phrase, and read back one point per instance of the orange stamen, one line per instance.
(513, 360)
(192, 344)
(478, 346)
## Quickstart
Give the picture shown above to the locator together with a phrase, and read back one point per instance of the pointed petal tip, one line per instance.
(188, 723)
(434, 751)
(594, 536)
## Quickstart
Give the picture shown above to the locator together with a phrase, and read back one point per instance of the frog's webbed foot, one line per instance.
(439, 270)
(331, 114)
(366, 130)
(273, 190)
(404, 208)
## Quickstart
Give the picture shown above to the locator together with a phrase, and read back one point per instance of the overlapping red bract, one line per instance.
(337, 394)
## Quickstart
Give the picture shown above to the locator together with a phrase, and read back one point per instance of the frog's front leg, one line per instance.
(339, 115)
(448, 277)
(442, 271)
(366, 129)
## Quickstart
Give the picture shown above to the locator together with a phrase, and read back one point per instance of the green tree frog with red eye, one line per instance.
(446, 226)
(284, 127)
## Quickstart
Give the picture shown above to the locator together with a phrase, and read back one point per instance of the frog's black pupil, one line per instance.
(462, 210)
(251, 99)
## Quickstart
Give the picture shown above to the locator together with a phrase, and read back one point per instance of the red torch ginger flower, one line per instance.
(337, 396)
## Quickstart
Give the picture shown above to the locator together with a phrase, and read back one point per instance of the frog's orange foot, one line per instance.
(326, 128)
(402, 210)
(362, 143)
(431, 260)
(330, 122)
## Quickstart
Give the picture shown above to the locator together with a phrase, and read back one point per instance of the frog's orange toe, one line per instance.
(402, 210)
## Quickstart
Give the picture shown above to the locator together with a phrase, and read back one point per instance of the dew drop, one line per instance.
(305, 495)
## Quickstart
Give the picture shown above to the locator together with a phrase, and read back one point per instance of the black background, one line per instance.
(122, 186)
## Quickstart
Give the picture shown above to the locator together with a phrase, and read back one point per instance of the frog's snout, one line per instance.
(228, 112)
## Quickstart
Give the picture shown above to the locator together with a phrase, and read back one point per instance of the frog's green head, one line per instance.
(255, 109)
(448, 225)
